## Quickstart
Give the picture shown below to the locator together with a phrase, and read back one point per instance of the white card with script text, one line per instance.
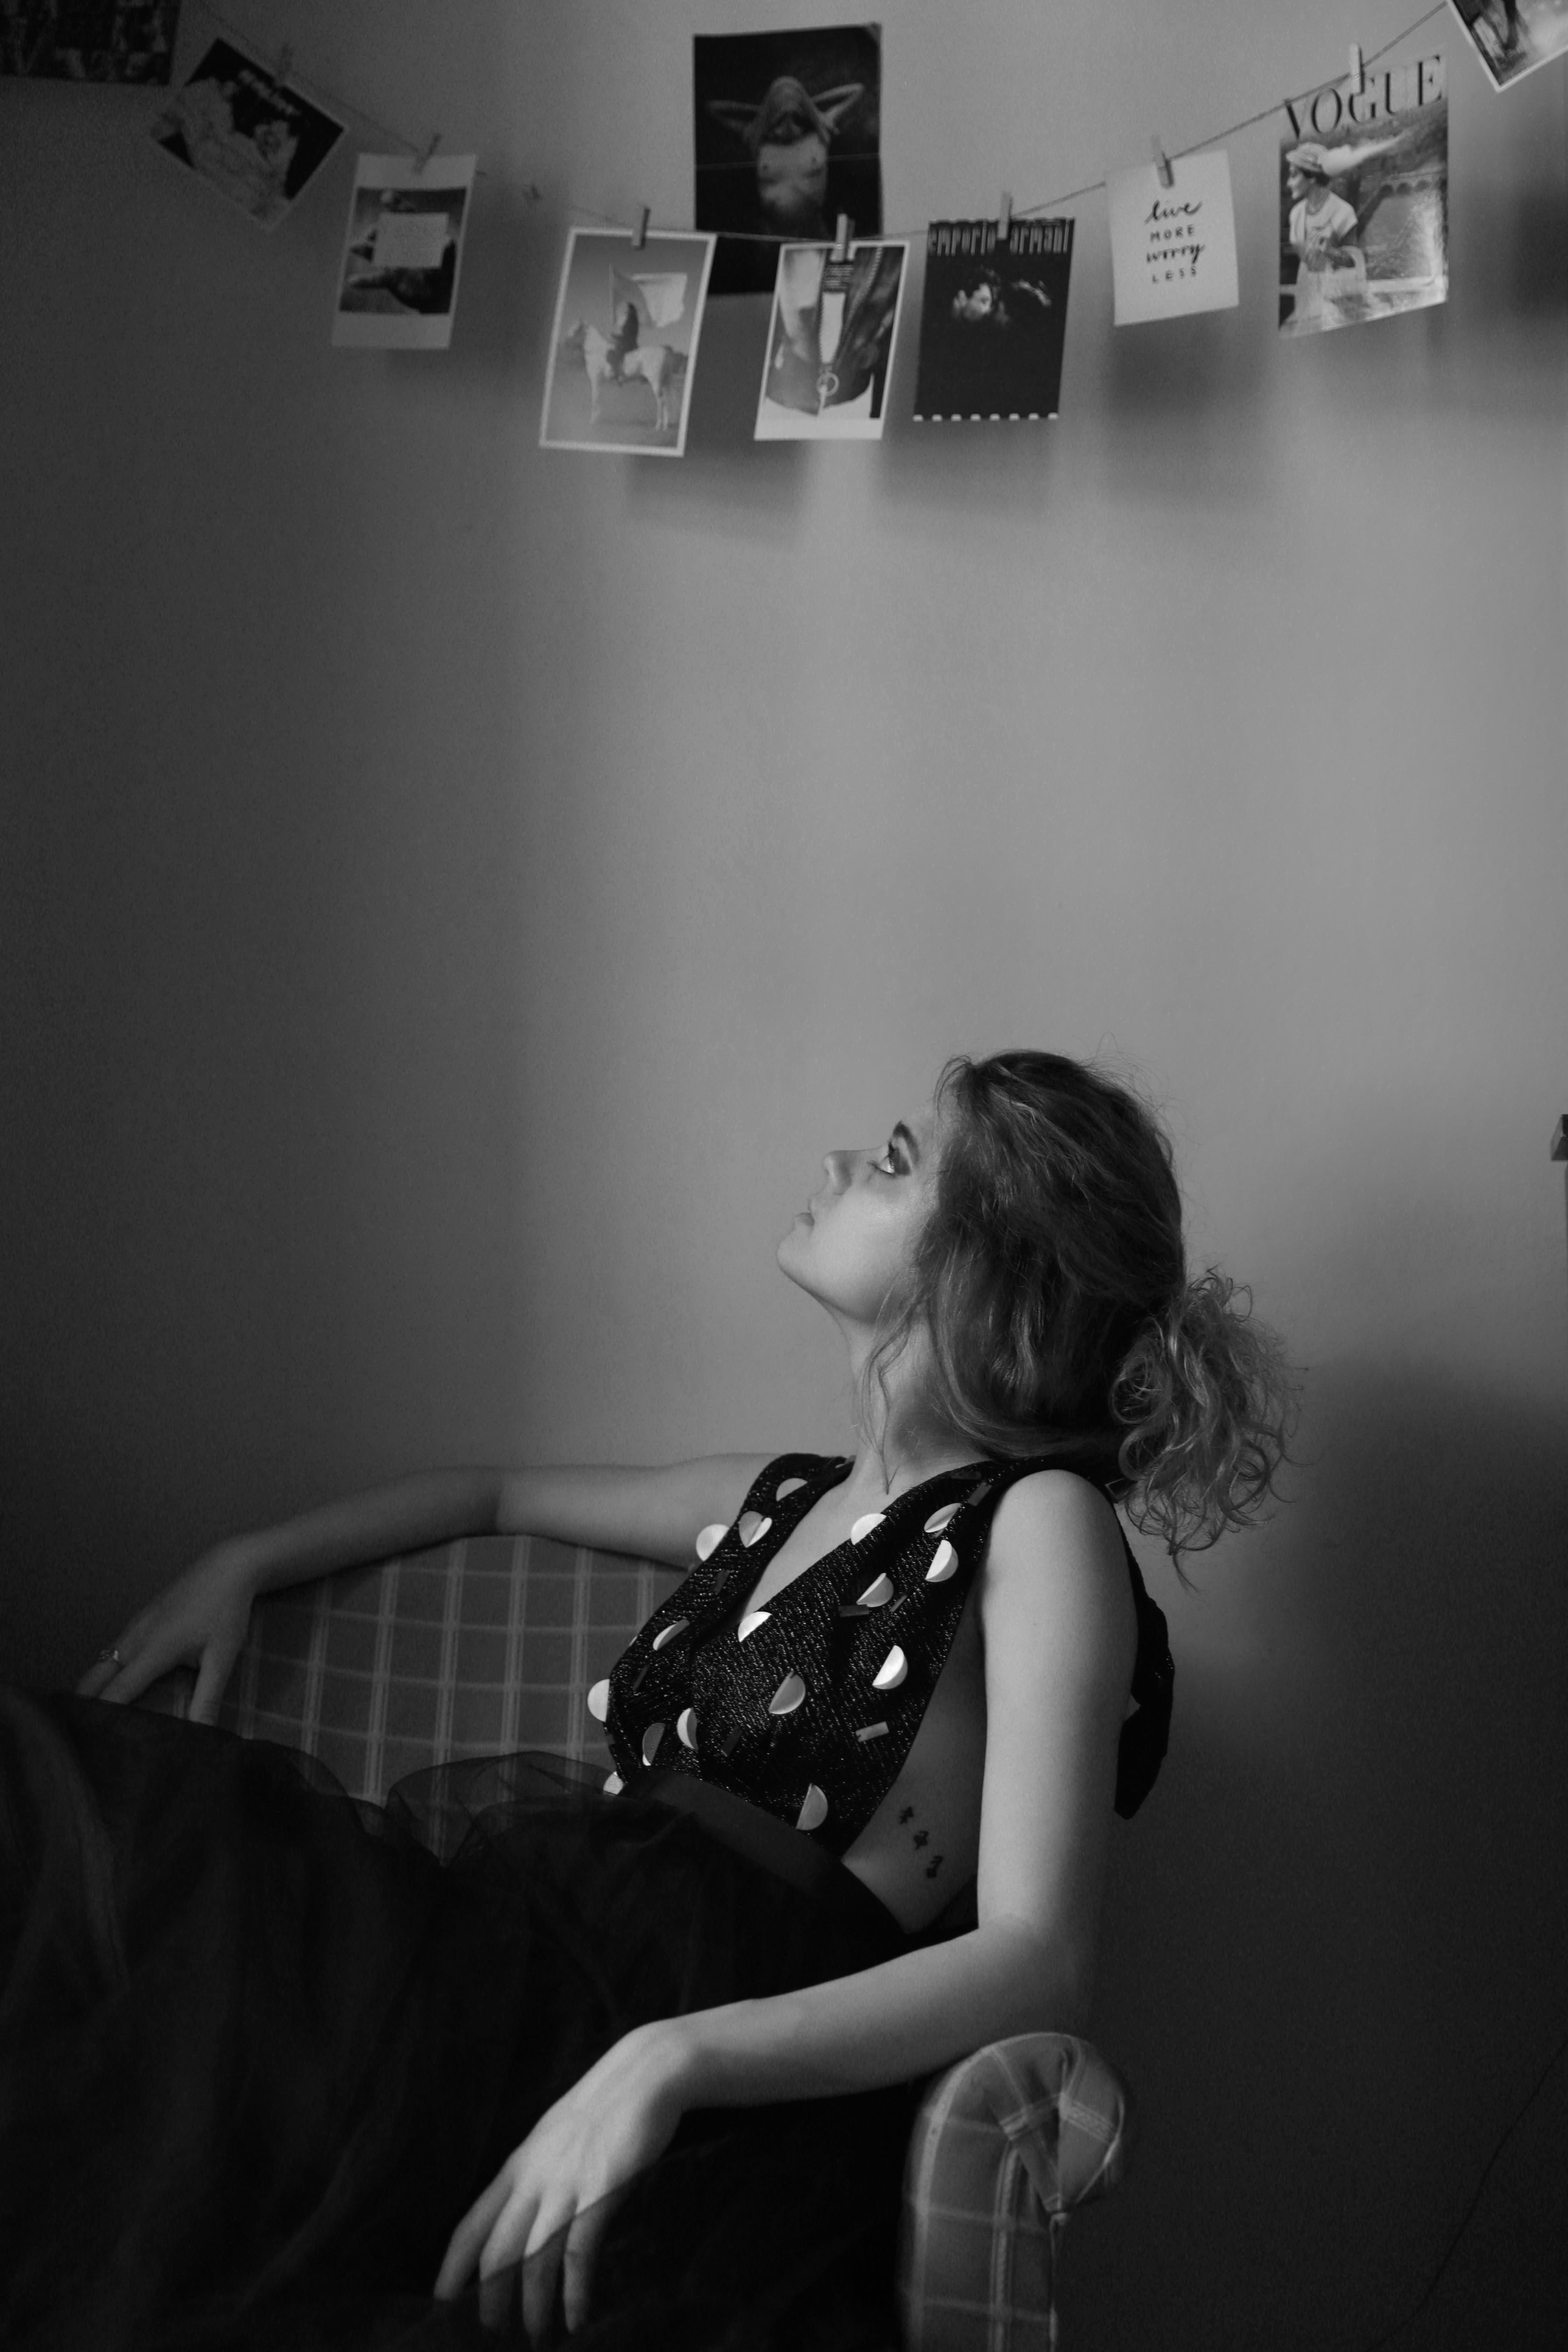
(1172, 249)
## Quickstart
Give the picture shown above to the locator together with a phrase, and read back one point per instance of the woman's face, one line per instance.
(852, 1246)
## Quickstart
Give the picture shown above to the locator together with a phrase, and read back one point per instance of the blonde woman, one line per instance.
(280, 2069)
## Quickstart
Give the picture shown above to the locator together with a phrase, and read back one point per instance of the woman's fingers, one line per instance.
(102, 1671)
(118, 1679)
(540, 2286)
(137, 1672)
(498, 2294)
(211, 1681)
(580, 2252)
(469, 2238)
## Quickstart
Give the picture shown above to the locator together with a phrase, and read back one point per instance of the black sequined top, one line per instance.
(808, 1706)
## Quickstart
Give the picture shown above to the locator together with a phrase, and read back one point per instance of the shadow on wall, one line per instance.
(1335, 1950)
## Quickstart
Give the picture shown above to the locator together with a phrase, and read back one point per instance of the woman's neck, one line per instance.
(907, 1440)
(883, 1471)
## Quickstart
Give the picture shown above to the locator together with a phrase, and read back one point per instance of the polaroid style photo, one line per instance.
(787, 136)
(1512, 37)
(624, 343)
(1364, 200)
(830, 342)
(102, 40)
(256, 139)
(993, 321)
(397, 289)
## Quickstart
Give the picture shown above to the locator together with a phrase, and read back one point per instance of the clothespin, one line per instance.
(639, 235)
(1358, 71)
(1162, 164)
(841, 236)
(1559, 1140)
(1005, 217)
(425, 153)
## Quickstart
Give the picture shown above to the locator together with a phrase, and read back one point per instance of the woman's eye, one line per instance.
(888, 1165)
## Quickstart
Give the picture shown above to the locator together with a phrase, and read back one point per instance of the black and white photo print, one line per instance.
(787, 136)
(627, 317)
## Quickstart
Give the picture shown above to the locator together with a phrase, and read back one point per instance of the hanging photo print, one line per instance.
(830, 345)
(247, 134)
(1512, 37)
(96, 40)
(993, 320)
(397, 289)
(787, 136)
(1172, 249)
(1364, 200)
(624, 343)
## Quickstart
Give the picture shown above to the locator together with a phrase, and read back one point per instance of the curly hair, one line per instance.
(1050, 1277)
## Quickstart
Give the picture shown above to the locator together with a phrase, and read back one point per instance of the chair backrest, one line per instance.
(474, 1649)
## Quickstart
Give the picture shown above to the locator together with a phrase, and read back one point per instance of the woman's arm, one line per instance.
(652, 1513)
(201, 1619)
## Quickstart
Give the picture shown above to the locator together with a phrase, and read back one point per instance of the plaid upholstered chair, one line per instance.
(489, 1645)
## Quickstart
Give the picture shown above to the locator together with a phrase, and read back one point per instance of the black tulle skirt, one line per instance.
(263, 2044)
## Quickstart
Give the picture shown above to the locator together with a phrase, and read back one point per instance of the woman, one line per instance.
(1322, 228)
(646, 2056)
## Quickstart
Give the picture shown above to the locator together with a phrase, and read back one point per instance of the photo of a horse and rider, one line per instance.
(624, 343)
(786, 135)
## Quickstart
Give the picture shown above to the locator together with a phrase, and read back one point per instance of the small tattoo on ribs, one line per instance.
(907, 1815)
(933, 1865)
(920, 1837)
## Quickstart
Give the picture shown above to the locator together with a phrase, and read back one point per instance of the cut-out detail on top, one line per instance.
(712, 1537)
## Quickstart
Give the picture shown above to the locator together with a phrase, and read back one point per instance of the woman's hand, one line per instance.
(560, 2186)
(200, 1621)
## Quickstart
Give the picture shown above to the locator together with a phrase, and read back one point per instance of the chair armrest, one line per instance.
(1006, 2143)
(474, 1648)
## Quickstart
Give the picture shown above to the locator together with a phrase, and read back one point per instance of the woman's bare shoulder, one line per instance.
(1055, 1574)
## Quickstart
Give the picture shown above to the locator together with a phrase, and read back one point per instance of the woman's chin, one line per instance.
(790, 1247)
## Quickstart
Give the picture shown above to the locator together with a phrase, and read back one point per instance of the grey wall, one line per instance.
(451, 894)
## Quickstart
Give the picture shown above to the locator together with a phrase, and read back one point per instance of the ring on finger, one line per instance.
(105, 1655)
